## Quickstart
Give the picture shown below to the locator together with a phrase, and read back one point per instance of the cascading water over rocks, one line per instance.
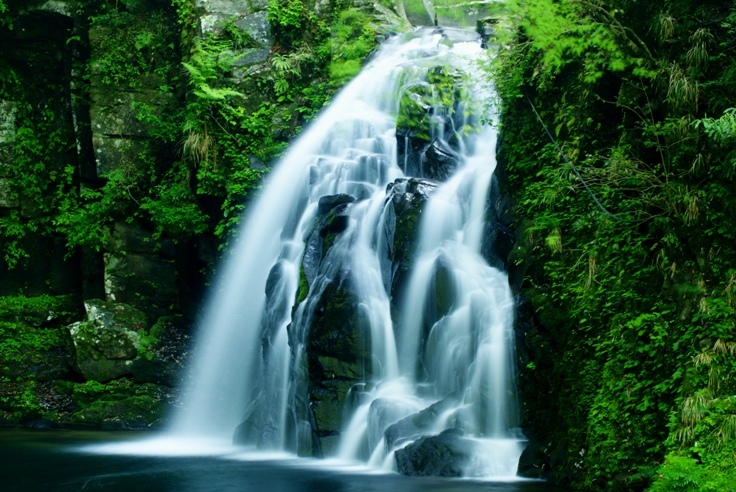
(360, 316)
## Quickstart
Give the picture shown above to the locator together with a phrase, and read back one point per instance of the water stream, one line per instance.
(429, 333)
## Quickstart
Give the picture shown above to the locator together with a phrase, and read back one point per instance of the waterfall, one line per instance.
(358, 315)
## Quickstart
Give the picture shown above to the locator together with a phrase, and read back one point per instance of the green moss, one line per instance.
(303, 285)
(120, 402)
(62, 308)
(406, 227)
(353, 39)
(414, 108)
(685, 473)
(19, 399)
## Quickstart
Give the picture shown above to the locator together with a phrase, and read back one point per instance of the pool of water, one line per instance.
(74, 460)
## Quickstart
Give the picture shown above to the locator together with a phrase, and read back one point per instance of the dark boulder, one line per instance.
(413, 426)
(445, 455)
(534, 462)
(406, 200)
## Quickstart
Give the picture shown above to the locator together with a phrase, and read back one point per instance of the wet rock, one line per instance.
(498, 235)
(534, 462)
(429, 116)
(413, 426)
(438, 161)
(336, 330)
(260, 425)
(332, 219)
(328, 203)
(407, 198)
(445, 455)
(381, 414)
(327, 405)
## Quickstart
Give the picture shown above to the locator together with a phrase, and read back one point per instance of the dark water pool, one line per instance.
(60, 461)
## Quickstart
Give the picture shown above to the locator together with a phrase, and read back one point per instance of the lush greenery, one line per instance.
(211, 128)
(186, 124)
(628, 238)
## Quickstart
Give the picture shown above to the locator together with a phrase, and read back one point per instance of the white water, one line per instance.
(463, 361)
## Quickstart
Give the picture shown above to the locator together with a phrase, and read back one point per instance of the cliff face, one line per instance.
(131, 136)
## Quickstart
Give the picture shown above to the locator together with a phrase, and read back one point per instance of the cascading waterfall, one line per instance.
(327, 334)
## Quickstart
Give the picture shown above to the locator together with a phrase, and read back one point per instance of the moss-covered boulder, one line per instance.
(103, 347)
(116, 341)
(118, 405)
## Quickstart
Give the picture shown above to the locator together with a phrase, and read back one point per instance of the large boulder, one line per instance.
(445, 455)
(116, 341)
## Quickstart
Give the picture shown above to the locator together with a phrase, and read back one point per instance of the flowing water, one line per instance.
(61, 461)
(440, 352)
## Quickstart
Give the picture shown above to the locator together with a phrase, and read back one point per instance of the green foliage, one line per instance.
(209, 59)
(60, 308)
(37, 180)
(445, 88)
(19, 399)
(353, 39)
(173, 209)
(646, 295)
(685, 473)
(84, 219)
(121, 401)
(288, 18)
(17, 341)
(128, 47)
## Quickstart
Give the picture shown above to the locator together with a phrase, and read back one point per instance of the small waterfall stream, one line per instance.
(327, 334)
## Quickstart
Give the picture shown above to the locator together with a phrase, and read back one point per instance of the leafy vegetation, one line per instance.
(636, 292)
(186, 125)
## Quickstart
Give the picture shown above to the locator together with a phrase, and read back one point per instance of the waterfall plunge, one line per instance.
(454, 369)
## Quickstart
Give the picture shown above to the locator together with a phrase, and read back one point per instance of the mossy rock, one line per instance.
(40, 310)
(415, 108)
(103, 347)
(327, 402)
(31, 353)
(407, 200)
(120, 404)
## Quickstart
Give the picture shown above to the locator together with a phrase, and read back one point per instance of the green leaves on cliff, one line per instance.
(208, 61)
(639, 97)
(353, 39)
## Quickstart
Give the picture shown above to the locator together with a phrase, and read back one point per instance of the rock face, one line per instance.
(139, 270)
